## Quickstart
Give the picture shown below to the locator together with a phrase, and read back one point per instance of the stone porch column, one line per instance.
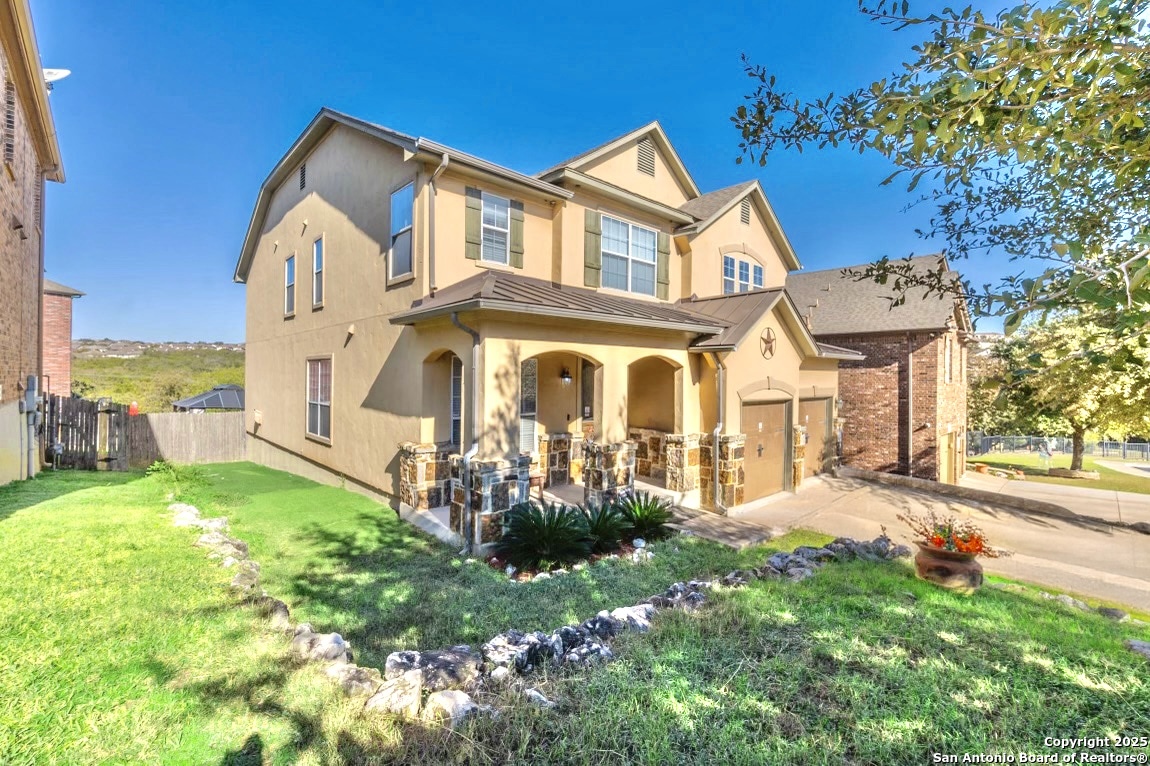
(731, 476)
(496, 486)
(424, 476)
(608, 470)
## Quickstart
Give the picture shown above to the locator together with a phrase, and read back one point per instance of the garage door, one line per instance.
(813, 414)
(765, 456)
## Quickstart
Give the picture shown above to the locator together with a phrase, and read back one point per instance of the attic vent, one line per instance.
(745, 210)
(646, 157)
(303, 175)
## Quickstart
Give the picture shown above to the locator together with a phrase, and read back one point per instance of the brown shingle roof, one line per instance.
(55, 288)
(710, 203)
(838, 305)
(500, 291)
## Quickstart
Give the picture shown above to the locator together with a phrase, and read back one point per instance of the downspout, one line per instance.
(471, 519)
(431, 224)
(721, 385)
(909, 406)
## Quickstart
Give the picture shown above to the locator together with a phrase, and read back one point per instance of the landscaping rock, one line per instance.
(399, 696)
(219, 541)
(603, 625)
(639, 542)
(500, 674)
(738, 578)
(398, 663)
(693, 601)
(1139, 647)
(798, 574)
(1111, 613)
(453, 706)
(356, 681)
(218, 524)
(247, 579)
(186, 515)
(637, 617)
(330, 646)
(228, 551)
(1141, 526)
(542, 576)
(454, 668)
(502, 650)
(275, 609)
(537, 698)
(1062, 598)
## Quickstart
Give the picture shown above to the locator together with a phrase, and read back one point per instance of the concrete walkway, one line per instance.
(1087, 558)
(1101, 503)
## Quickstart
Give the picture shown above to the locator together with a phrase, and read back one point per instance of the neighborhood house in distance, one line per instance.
(448, 332)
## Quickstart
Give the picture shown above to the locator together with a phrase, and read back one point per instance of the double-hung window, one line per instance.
(496, 228)
(319, 398)
(741, 276)
(317, 273)
(628, 256)
(289, 286)
(402, 205)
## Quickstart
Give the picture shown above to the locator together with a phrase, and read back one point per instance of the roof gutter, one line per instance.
(26, 73)
(432, 150)
(488, 304)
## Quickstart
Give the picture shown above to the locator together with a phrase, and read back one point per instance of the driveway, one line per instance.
(1075, 555)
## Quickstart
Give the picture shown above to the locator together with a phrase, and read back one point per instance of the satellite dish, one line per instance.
(52, 75)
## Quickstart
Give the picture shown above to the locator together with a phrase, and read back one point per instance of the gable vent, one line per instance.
(303, 175)
(745, 211)
(647, 157)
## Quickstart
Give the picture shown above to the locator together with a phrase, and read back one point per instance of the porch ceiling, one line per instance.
(512, 293)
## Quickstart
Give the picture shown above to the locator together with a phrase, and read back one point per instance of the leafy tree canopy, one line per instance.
(1028, 131)
(1073, 369)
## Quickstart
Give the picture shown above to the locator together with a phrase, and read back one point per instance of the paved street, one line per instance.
(1087, 558)
(1101, 503)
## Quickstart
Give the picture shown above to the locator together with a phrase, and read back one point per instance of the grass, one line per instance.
(121, 645)
(157, 377)
(1031, 465)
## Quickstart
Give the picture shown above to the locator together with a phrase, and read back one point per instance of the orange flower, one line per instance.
(937, 541)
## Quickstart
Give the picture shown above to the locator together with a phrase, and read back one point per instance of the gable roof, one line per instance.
(55, 288)
(839, 305)
(225, 397)
(414, 146)
(742, 312)
(657, 134)
(714, 205)
(513, 293)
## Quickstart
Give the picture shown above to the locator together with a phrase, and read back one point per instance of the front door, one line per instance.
(813, 415)
(765, 454)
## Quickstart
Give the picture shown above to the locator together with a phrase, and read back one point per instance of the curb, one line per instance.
(978, 495)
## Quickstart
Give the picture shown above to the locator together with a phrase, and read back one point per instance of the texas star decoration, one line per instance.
(767, 343)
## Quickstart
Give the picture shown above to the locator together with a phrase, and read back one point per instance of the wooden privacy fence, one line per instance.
(185, 437)
(85, 434)
(101, 435)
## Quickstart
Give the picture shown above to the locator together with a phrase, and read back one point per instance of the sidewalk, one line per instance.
(1106, 504)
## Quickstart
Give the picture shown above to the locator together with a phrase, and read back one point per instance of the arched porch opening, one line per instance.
(654, 411)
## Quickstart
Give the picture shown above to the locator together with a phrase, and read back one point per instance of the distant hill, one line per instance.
(152, 374)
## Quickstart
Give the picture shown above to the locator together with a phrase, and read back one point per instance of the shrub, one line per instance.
(606, 526)
(647, 514)
(177, 478)
(542, 537)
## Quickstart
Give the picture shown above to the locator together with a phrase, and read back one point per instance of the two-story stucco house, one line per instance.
(446, 332)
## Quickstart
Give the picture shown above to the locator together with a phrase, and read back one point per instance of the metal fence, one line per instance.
(982, 444)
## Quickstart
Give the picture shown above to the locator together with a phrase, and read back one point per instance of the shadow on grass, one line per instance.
(49, 485)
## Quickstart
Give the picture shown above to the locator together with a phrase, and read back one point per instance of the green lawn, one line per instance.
(121, 645)
(1031, 465)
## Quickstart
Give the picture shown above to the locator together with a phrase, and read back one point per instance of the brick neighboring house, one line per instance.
(56, 359)
(29, 155)
(903, 406)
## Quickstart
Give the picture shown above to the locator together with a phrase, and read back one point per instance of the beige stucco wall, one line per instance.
(620, 167)
(729, 235)
(572, 223)
(451, 262)
(350, 177)
(750, 377)
(13, 451)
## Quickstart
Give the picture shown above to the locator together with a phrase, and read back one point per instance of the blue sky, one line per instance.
(175, 112)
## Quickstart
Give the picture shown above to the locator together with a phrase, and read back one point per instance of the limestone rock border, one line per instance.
(433, 685)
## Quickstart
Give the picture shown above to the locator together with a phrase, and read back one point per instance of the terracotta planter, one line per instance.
(954, 570)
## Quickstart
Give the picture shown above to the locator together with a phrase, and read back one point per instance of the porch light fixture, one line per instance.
(565, 376)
